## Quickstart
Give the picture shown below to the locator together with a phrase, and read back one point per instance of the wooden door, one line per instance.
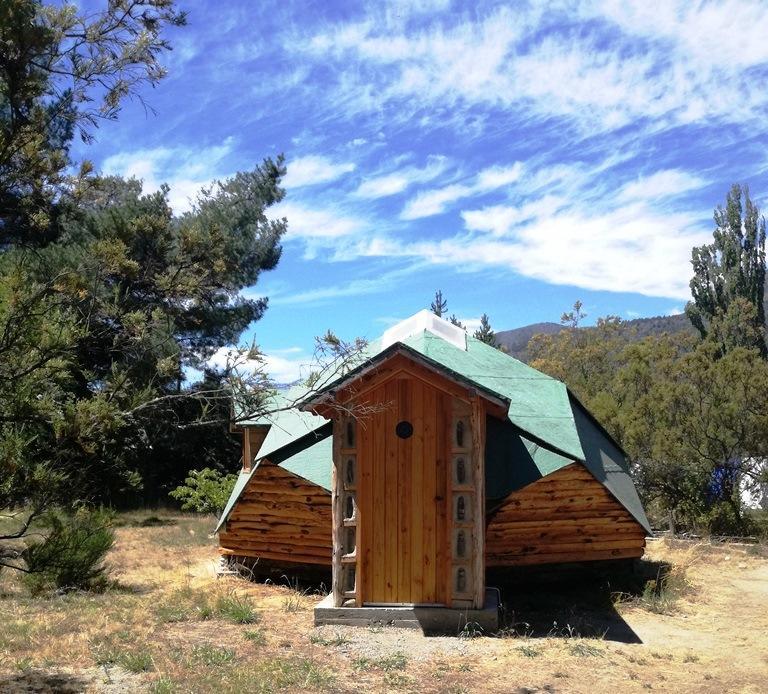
(402, 506)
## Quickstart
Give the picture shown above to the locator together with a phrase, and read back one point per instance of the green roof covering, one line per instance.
(546, 427)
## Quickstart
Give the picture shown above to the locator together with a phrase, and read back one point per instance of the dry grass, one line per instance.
(171, 626)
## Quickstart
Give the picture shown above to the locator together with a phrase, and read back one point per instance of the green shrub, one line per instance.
(237, 609)
(213, 655)
(71, 556)
(205, 491)
(136, 661)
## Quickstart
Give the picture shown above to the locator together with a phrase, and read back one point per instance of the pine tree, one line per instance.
(485, 333)
(455, 321)
(573, 317)
(439, 306)
(729, 276)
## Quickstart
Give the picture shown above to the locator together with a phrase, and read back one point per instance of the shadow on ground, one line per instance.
(42, 682)
(572, 600)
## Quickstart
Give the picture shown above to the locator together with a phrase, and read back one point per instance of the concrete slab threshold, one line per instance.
(429, 619)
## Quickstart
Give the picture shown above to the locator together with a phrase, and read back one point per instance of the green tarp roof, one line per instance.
(546, 428)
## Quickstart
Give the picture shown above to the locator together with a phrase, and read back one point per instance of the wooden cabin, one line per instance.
(434, 459)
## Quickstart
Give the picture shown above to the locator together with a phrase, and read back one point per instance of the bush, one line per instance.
(72, 555)
(205, 491)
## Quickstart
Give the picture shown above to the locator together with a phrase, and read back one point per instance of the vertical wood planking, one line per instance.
(417, 477)
(376, 453)
(391, 486)
(428, 495)
(405, 489)
(443, 412)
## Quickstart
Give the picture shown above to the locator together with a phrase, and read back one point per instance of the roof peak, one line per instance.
(425, 321)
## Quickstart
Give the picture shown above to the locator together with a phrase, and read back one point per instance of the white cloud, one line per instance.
(396, 182)
(314, 169)
(631, 249)
(357, 287)
(499, 219)
(316, 222)
(666, 63)
(281, 365)
(185, 169)
(662, 184)
(432, 202)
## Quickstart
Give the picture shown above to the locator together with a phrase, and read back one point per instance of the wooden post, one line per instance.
(247, 461)
(337, 513)
(478, 471)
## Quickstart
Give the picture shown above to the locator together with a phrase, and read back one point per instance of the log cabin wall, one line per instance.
(280, 517)
(567, 516)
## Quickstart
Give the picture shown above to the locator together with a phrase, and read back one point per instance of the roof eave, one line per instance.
(326, 394)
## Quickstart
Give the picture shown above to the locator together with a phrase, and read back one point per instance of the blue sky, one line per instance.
(518, 156)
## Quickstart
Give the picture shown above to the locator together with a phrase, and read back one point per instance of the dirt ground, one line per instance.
(171, 626)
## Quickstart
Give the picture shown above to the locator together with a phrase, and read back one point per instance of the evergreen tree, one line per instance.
(62, 71)
(729, 276)
(455, 321)
(485, 333)
(106, 299)
(439, 306)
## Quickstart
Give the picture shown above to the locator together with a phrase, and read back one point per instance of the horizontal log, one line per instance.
(517, 549)
(562, 557)
(546, 485)
(275, 556)
(619, 520)
(298, 514)
(277, 548)
(270, 523)
(249, 537)
(562, 535)
(557, 493)
(518, 515)
(570, 511)
(292, 502)
(262, 535)
(287, 485)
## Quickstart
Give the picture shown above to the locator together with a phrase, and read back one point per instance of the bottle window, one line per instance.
(460, 434)
(349, 507)
(349, 434)
(461, 544)
(349, 579)
(461, 509)
(349, 471)
(349, 540)
(461, 580)
(461, 471)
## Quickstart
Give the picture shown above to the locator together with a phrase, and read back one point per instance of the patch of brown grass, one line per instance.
(174, 627)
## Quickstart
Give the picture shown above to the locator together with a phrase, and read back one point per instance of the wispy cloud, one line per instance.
(313, 170)
(661, 184)
(185, 169)
(432, 202)
(381, 186)
(357, 287)
(314, 222)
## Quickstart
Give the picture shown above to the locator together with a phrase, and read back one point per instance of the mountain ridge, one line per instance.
(515, 341)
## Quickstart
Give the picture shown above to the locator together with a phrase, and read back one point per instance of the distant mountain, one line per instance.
(516, 340)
